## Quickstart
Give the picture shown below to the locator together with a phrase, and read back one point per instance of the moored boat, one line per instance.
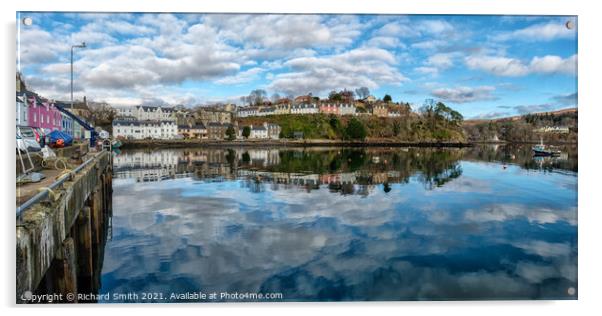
(543, 150)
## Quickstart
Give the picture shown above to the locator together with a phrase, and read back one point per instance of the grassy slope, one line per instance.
(318, 126)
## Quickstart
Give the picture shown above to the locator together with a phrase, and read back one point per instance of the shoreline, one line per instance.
(133, 144)
(175, 143)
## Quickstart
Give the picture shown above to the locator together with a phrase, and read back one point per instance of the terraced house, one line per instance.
(42, 113)
(131, 128)
(144, 113)
(305, 108)
(190, 131)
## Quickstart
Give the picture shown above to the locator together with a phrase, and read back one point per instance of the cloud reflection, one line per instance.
(462, 240)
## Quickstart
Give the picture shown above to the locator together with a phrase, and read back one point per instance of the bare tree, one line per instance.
(101, 114)
(257, 96)
(362, 92)
(275, 97)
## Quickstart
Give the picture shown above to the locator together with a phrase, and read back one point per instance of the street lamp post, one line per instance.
(82, 45)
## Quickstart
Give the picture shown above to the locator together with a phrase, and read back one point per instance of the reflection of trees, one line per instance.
(357, 171)
(255, 185)
(522, 155)
(437, 167)
(341, 170)
(386, 187)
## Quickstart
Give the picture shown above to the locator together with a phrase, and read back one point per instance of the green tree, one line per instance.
(335, 96)
(396, 127)
(334, 122)
(246, 131)
(355, 129)
(230, 133)
(387, 98)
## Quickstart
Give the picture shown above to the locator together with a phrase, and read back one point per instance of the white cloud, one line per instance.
(397, 29)
(242, 77)
(429, 44)
(554, 64)
(501, 66)
(385, 42)
(435, 26)
(427, 70)
(287, 31)
(436, 63)
(441, 61)
(465, 94)
(510, 67)
(39, 46)
(124, 27)
(369, 67)
(540, 32)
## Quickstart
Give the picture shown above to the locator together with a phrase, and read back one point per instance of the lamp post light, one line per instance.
(82, 45)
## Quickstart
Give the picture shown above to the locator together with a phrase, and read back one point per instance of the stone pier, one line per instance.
(60, 240)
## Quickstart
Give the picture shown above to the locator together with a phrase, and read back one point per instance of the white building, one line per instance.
(144, 113)
(135, 129)
(346, 109)
(370, 99)
(305, 108)
(266, 111)
(264, 131)
(394, 113)
(247, 111)
(553, 129)
(273, 130)
(21, 110)
(259, 132)
(284, 108)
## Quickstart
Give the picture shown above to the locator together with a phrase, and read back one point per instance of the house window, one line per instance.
(35, 117)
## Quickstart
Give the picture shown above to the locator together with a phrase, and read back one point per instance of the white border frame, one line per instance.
(590, 114)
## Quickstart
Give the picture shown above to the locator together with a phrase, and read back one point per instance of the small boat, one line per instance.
(116, 143)
(543, 150)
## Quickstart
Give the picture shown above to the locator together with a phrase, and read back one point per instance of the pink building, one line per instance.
(42, 113)
(329, 108)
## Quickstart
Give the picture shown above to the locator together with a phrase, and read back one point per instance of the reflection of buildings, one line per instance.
(283, 168)
(146, 166)
(262, 157)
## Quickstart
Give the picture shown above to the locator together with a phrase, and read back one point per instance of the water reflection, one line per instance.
(345, 224)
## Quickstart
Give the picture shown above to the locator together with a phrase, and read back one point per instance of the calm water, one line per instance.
(344, 224)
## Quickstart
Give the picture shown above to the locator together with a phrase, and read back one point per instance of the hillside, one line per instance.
(408, 128)
(523, 128)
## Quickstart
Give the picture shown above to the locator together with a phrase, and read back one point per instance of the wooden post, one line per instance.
(64, 271)
(84, 251)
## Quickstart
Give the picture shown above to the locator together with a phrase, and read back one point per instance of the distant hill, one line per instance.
(518, 117)
(525, 128)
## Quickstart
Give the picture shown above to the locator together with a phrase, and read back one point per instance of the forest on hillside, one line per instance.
(525, 128)
(432, 123)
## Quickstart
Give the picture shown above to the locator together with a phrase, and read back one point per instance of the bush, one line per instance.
(355, 129)
(246, 131)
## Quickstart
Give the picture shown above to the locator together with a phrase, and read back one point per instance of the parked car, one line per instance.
(26, 132)
(27, 144)
(29, 133)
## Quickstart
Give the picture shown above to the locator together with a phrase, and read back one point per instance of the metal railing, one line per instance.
(44, 194)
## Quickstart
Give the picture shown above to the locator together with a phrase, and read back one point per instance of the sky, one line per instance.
(482, 66)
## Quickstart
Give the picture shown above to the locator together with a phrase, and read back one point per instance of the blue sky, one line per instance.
(483, 66)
